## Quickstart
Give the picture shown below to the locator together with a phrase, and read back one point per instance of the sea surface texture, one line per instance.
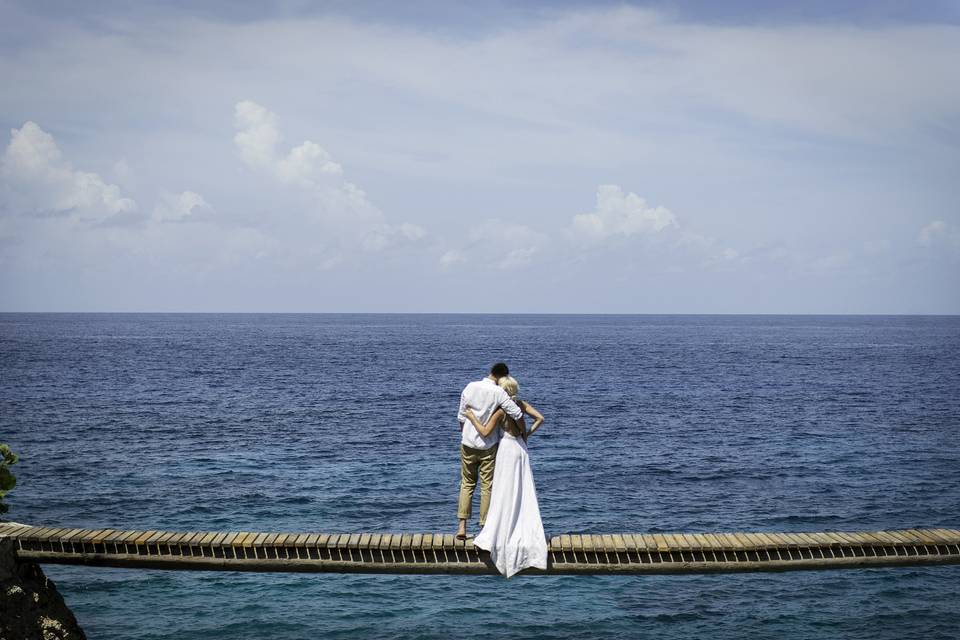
(347, 423)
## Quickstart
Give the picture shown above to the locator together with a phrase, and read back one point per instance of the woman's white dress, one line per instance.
(513, 533)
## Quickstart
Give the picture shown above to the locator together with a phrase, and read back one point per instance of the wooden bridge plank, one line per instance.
(923, 536)
(662, 544)
(888, 537)
(743, 540)
(712, 542)
(900, 536)
(608, 545)
(884, 537)
(942, 535)
(767, 539)
(619, 544)
(700, 543)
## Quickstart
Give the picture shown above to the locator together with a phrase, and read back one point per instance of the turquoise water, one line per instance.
(347, 423)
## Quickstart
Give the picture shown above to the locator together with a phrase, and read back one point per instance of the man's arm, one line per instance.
(509, 406)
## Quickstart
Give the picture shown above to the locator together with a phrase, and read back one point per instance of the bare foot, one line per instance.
(462, 531)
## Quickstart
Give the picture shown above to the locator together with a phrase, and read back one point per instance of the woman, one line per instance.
(513, 533)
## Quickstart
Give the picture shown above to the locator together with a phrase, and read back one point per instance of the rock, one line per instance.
(30, 606)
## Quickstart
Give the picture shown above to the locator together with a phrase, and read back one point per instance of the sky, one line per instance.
(488, 157)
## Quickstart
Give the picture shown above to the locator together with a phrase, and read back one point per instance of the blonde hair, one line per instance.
(510, 385)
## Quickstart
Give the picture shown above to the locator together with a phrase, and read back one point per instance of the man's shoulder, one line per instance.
(473, 385)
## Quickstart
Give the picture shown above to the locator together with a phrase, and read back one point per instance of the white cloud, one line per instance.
(931, 232)
(310, 167)
(174, 208)
(621, 214)
(505, 245)
(42, 180)
(451, 258)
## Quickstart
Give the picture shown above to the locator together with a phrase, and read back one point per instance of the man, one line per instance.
(478, 454)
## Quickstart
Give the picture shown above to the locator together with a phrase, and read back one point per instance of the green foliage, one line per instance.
(7, 481)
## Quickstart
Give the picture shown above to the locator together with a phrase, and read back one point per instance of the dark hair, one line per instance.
(499, 370)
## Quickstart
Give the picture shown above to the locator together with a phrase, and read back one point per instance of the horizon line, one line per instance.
(483, 313)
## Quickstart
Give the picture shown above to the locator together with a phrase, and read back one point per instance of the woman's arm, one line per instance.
(484, 429)
(529, 409)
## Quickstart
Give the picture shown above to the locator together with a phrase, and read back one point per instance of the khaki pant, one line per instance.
(474, 462)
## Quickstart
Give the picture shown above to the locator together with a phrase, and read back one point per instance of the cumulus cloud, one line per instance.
(175, 208)
(931, 232)
(503, 245)
(620, 214)
(451, 258)
(41, 180)
(308, 165)
(310, 168)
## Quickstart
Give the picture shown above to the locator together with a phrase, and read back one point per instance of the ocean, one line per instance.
(347, 423)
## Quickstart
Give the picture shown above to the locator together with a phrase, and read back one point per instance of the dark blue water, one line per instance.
(347, 423)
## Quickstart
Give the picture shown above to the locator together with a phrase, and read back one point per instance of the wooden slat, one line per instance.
(940, 535)
(229, 539)
(767, 540)
(662, 543)
(576, 541)
(922, 536)
(405, 541)
(757, 540)
(68, 536)
(37, 533)
(619, 544)
(354, 541)
(30, 533)
(448, 541)
(566, 543)
(899, 536)
(374, 543)
(608, 546)
(438, 541)
(417, 540)
(711, 541)
(673, 541)
(427, 541)
(588, 542)
(270, 539)
(811, 540)
(743, 540)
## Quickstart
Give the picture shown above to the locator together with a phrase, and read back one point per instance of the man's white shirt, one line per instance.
(484, 397)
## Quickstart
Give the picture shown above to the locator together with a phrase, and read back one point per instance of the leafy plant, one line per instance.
(7, 480)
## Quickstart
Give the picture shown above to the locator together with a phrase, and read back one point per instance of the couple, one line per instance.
(493, 446)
